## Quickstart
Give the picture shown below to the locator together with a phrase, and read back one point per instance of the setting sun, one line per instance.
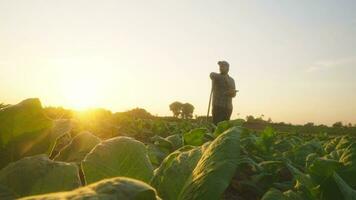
(80, 93)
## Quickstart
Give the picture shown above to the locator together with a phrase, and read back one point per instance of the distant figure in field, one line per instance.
(223, 92)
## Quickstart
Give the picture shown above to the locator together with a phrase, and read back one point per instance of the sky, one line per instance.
(292, 61)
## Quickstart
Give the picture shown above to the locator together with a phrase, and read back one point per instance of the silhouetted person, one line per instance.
(223, 92)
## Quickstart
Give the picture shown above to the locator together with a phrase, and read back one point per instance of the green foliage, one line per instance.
(195, 137)
(120, 156)
(78, 148)
(225, 125)
(115, 188)
(26, 131)
(215, 169)
(3, 105)
(23, 118)
(265, 141)
(175, 171)
(176, 141)
(38, 175)
(6, 193)
(274, 194)
(347, 192)
(190, 162)
(156, 154)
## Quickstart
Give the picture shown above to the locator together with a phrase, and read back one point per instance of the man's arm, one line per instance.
(232, 90)
(213, 75)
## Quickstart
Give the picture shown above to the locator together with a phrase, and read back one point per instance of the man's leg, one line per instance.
(218, 114)
(225, 114)
(228, 114)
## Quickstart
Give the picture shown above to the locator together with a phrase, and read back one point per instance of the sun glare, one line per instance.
(80, 93)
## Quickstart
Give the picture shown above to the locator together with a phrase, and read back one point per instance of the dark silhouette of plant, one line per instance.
(176, 108)
(138, 113)
(2, 105)
(187, 111)
(338, 125)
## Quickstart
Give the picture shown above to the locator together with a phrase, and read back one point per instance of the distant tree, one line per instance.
(309, 124)
(337, 125)
(187, 111)
(250, 118)
(139, 113)
(176, 108)
(323, 126)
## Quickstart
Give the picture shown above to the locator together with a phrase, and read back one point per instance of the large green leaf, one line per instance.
(265, 141)
(347, 192)
(6, 193)
(175, 171)
(156, 154)
(78, 148)
(225, 125)
(303, 183)
(348, 156)
(195, 137)
(340, 161)
(291, 195)
(331, 144)
(39, 175)
(114, 188)
(25, 117)
(274, 194)
(162, 142)
(26, 131)
(344, 142)
(120, 156)
(215, 169)
(300, 153)
(321, 169)
(176, 140)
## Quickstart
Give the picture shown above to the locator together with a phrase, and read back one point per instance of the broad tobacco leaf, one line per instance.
(199, 172)
(274, 194)
(78, 148)
(156, 154)
(347, 192)
(195, 137)
(114, 188)
(176, 140)
(175, 170)
(26, 131)
(39, 175)
(119, 156)
(215, 168)
(225, 125)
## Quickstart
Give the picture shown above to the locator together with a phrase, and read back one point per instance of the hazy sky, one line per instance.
(293, 61)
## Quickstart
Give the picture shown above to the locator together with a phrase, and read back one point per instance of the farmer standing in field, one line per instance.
(223, 90)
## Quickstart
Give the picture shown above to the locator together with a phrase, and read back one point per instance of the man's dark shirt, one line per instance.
(223, 90)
